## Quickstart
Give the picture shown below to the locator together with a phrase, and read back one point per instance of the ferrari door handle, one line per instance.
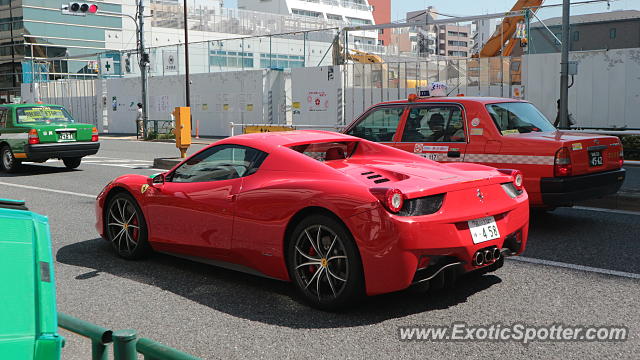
(453, 153)
(231, 197)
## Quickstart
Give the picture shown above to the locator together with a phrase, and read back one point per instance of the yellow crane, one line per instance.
(502, 42)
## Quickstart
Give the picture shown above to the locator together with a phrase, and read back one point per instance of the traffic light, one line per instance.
(80, 9)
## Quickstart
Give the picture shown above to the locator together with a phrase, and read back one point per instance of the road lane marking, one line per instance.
(49, 190)
(576, 267)
(614, 211)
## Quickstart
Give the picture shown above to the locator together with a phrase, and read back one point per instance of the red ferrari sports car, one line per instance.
(337, 215)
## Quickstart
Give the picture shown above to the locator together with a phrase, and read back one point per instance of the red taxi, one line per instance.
(559, 167)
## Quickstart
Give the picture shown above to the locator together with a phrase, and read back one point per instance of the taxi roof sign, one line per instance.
(436, 88)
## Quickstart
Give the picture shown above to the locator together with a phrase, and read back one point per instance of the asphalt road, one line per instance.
(215, 313)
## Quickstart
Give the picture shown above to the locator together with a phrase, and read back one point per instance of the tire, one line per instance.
(331, 281)
(125, 227)
(72, 163)
(9, 162)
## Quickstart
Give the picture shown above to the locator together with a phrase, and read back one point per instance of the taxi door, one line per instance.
(435, 131)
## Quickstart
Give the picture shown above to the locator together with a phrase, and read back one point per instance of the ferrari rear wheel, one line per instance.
(324, 263)
(125, 227)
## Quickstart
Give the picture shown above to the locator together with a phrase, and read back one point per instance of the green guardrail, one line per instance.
(159, 129)
(126, 344)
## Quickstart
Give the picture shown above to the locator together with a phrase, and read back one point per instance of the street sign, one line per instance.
(106, 66)
(170, 61)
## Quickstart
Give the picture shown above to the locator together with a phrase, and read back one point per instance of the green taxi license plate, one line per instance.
(66, 136)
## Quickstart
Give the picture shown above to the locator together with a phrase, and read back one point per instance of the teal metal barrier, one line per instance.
(156, 351)
(99, 336)
(126, 344)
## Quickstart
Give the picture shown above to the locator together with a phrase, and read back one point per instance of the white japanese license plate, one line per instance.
(67, 135)
(483, 229)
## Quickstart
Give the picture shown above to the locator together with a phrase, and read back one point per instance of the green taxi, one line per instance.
(38, 132)
(28, 316)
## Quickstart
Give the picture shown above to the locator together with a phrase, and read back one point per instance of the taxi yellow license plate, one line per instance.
(483, 229)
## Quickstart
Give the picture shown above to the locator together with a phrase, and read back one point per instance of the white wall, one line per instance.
(216, 100)
(606, 91)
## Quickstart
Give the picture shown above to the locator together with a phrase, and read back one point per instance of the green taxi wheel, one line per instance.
(72, 163)
(9, 162)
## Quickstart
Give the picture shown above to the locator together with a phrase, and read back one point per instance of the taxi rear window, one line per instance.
(42, 115)
(518, 117)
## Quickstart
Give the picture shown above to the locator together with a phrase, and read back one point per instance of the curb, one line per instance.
(632, 162)
(166, 163)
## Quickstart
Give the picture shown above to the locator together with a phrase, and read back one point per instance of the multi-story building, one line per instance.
(454, 40)
(437, 39)
(482, 29)
(382, 15)
(608, 30)
(352, 12)
(38, 41)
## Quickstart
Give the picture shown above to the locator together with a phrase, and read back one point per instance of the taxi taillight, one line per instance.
(94, 134)
(562, 163)
(621, 159)
(33, 137)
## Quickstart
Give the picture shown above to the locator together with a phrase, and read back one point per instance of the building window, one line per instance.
(576, 35)
(456, 33)
(306, 13)
(457, 43)
(357, 21)
(334, 17)
(612, 33)
(457, 53)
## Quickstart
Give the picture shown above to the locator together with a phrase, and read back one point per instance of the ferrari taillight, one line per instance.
(562, 163)
(391, 199)
(94, 134)
(517, 179)
(33, 137)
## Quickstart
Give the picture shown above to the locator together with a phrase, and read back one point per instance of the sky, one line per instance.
(477, 7)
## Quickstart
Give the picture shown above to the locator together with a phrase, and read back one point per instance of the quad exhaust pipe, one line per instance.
(486, 256)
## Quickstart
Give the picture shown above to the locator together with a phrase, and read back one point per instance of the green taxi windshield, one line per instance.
(42, 115)
(518, 117)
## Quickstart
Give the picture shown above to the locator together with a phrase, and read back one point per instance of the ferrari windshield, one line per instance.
(518, 117)
(42, 115)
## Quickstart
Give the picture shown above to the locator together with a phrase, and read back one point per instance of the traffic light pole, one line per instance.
(564, 68)
(187, 87)
(143, 61)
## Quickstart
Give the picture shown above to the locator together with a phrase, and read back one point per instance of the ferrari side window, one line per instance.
(221, 162)
(379, 125)
(441, 123)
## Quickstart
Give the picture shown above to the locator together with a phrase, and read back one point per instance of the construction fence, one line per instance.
(604, 93)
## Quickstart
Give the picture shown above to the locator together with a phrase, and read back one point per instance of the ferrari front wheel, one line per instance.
(324, 263)
(125, 227)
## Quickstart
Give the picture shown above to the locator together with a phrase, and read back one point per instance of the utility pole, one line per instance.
(564, 67)
(143, 58)
(186, 57)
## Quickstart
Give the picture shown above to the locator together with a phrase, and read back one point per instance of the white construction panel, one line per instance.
(314, 95)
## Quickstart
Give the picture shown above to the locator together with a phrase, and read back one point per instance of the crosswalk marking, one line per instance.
(107, 161)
